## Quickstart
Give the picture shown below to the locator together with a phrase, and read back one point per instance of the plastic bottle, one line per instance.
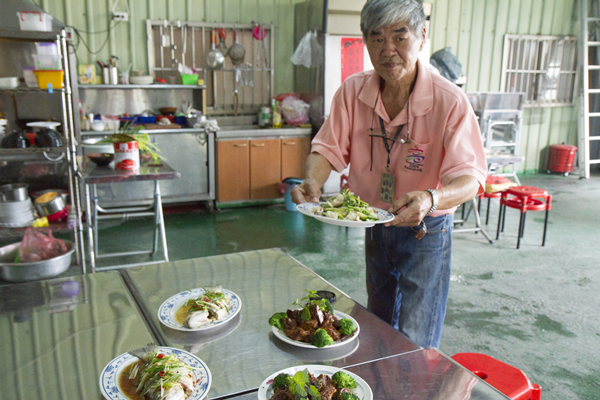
(277, 121)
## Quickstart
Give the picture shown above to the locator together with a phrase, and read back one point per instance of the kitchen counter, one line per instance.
(254, 132)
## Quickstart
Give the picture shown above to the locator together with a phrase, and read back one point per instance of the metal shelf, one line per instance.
(152, 86)
(149, 131)
(28, 35)
(54, 154)
(25, 89)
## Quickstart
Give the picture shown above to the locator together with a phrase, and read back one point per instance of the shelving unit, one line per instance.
(64, 154)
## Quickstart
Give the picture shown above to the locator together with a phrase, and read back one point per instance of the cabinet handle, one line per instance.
(289, 143)
(240, 145)
(258, 145)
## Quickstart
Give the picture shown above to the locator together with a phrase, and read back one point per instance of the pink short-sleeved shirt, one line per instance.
(445, 138)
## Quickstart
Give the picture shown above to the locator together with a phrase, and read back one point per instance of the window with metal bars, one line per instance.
(543, 67)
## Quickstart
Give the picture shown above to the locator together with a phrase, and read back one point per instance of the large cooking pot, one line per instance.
(49, 203)
(13, 192)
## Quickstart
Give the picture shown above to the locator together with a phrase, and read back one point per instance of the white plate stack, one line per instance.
(14, 214)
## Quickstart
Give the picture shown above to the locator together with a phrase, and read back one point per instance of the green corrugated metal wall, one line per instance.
(475, 30)
(127, 40)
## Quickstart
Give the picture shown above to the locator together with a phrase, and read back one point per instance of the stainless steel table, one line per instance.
(58, 335)
(91, 175)
(425, 374)
(244, 352)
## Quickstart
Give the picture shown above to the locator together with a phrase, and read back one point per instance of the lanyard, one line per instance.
(388, 147)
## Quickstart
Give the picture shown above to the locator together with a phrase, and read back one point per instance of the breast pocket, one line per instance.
(416, 158)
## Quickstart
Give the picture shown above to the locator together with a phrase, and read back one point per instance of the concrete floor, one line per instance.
(536, 308)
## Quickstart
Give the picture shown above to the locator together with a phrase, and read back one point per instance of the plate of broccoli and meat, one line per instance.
(314, 381)
(313, 323)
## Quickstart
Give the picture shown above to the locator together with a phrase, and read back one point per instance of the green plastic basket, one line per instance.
(189, 79)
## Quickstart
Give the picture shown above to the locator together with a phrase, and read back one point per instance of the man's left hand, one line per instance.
(410, 209)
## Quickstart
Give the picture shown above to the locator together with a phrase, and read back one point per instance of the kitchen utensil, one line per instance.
(168, 110)
(92, 146)
(214, 58)
(44, 124)
(222, 45)
(184, 43)
(97, 125)
(64, 193)
(15, 140)
(141, 80)
(31, 271)
(14, 192)
(259, 33)
(49, 203)
(236, 52)
(16, 214)
(48, 138)
(101, 159)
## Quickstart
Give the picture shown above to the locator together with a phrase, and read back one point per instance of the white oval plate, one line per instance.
(43, 124)
(339, 315)
(109, 378)
(384, 216)
(363, 390)
(167, 310)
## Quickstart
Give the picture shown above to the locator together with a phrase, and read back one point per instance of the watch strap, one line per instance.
(434, 201)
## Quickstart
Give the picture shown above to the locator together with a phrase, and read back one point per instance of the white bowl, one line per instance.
(97, 125)
(9, 82)
(141, 80)
(92, 146)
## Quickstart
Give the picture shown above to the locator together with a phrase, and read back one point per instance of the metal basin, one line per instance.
(14, 192)
(23, 272)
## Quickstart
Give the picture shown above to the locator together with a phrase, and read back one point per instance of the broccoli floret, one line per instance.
(276, 320)
(324, 305)
(321, 338)
(348, 396)
(281, 381)
(343, 380)
(346, 326)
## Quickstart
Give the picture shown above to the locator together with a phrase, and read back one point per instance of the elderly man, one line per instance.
(414, 147)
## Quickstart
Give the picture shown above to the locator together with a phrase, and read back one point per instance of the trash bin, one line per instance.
(288, 185)
(561, 158)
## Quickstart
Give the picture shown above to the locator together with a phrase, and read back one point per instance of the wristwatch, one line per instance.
(434, 201)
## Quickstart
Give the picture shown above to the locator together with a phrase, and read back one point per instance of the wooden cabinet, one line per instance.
(265, 161)
(293, 156)
(252, 169)
(233, 172)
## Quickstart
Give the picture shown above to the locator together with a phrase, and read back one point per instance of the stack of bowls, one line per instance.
(15, 206)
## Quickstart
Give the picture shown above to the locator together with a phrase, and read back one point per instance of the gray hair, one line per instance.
(379, 13)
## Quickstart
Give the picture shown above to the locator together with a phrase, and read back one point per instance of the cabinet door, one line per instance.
(265, 167)
(233, 172)
(293, 157)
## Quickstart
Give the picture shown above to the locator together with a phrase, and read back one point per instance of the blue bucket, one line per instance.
(290, 184)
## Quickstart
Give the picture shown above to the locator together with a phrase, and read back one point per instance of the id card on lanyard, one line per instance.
(388, 180)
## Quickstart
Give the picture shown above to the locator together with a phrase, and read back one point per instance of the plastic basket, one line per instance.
(189, 79)
(45, 77)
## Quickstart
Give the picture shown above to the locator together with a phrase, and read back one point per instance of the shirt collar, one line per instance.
(421, 99)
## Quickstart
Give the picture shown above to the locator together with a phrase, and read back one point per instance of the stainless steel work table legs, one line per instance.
(95, 213)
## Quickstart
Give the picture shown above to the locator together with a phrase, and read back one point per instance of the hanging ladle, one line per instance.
(214, 58)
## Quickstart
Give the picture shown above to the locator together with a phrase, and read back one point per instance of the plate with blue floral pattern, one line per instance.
(168, 309)
(109, 378)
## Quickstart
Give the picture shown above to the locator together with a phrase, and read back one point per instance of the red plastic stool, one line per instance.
(525, 199)
(492, 182)
(509, 380)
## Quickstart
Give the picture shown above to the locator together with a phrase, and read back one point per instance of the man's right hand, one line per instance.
(308, 191)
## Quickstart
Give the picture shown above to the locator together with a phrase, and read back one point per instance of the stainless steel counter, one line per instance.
(244, 352)
(55, 345)
(425, 374)
(254, 132)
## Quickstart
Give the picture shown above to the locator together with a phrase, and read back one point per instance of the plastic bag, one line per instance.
(294, 110)
(36, 246)
(309, 52)
(447, 64)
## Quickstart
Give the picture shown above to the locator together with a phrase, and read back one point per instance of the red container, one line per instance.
(561, 158)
